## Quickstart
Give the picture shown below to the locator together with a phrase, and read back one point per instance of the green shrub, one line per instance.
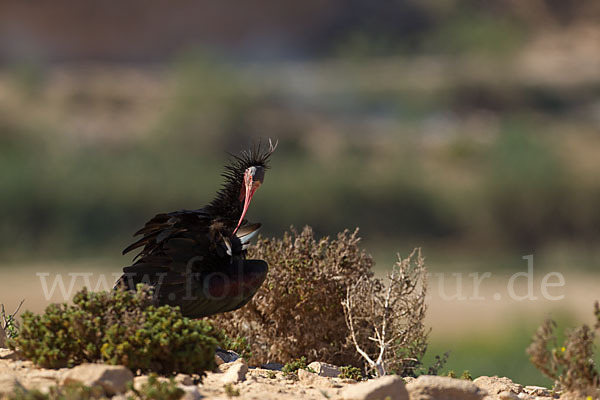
(238, 344)
(465, 375)
(350, 372)
(271, 374)
(290, 369)
(161, 340)
(8, 322)
(118, 327)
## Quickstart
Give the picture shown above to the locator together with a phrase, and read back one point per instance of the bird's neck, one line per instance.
(226, 206)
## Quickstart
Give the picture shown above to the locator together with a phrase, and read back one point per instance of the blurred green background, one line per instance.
(469, 128)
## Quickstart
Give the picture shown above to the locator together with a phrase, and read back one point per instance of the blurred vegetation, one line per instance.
(501, 352)
(465, 163)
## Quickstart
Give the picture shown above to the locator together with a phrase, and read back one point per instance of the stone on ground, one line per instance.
(7, 354)
(40, 379)
(225, 366)
(495, 385)
(184, 379)
(311, 379)
(429, 387)
(391, 386)
(113, 379)
(324, 369)
(236, 372)
(504, 396)
(537, 391)
(225, 356)
(8, 383)
(190, 392)
(140, 381)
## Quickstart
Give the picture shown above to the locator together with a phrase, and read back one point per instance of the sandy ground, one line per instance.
(235, 380)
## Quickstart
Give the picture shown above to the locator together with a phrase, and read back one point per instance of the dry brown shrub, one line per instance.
(299, 312)
(571, 365)
(385, 317)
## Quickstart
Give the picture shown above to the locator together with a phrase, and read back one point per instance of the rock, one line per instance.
(537, 391)
(429, 387)
(391, 386)
(44, 374)
(225, 366)
(112, 379)
(8, 383)
(494, 385)
(6, 354)
(309, 378)
(236, 372)
(504, 396)
(140, 381)
(408, 379)
(190, 392)
(225, 356)
(249, 380)
(184, 379)
(324, 369)
(23, 365)
(41, 380)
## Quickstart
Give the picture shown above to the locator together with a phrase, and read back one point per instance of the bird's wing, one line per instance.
(173, 246)
(182, 252)
(165, 226)
(246, 233)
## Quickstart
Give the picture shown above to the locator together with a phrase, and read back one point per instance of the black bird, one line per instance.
(196, 259)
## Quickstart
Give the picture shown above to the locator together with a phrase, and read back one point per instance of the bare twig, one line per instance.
(386, 321)
(8, 320)
(350, 321)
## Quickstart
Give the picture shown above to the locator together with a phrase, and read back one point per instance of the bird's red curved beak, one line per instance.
(250, 187)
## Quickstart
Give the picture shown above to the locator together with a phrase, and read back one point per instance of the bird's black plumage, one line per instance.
(196, 259)
(226, 203)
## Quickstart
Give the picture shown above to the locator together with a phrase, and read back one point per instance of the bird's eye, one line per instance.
(258, 174)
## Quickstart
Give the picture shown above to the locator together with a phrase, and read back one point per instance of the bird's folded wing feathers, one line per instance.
(246, 233)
